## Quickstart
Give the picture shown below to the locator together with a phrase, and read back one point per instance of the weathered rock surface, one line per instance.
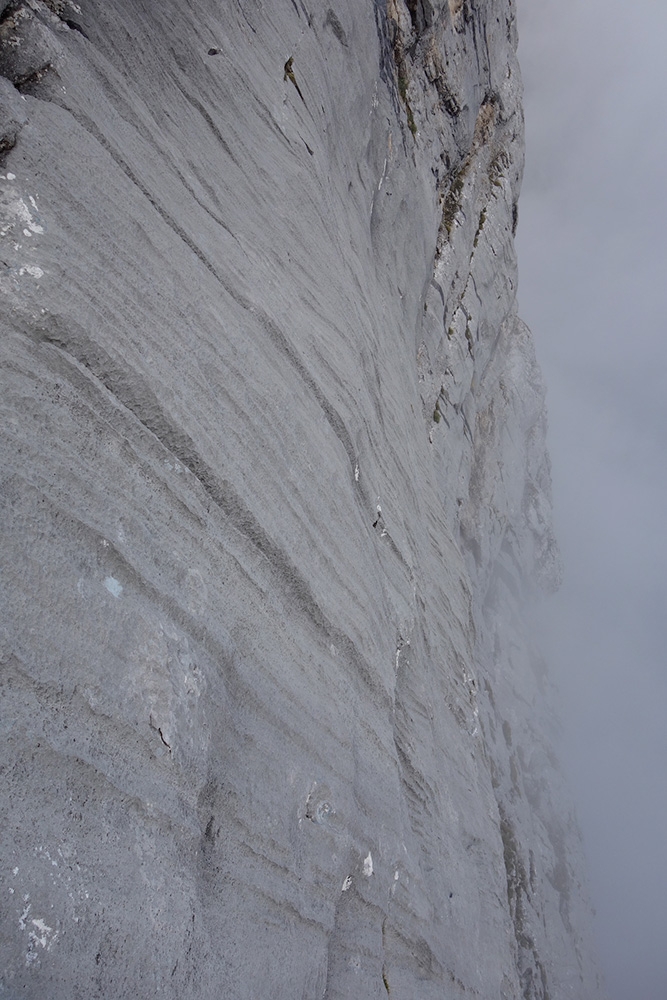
(275, 492)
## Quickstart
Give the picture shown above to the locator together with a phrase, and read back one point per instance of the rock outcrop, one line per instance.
(275, 497)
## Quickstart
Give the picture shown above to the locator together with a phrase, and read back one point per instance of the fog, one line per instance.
(593, 288)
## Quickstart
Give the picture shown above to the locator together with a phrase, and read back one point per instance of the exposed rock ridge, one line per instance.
(275, 494)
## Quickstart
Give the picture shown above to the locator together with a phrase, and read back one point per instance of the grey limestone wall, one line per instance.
(274, 495)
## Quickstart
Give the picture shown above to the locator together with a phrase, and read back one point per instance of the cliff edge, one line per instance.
(275, 497)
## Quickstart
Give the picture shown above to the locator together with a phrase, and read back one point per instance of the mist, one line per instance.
(593, 288)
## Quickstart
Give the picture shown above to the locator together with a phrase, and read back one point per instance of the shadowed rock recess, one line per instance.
(275, 497)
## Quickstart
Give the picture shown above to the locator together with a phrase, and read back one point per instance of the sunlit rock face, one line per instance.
(275, 498)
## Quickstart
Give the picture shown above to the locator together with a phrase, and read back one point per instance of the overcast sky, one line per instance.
(593, 288)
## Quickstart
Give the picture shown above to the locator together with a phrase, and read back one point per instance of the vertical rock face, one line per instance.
(275, 494)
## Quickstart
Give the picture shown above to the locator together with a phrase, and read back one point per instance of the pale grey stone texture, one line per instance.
(275, 492)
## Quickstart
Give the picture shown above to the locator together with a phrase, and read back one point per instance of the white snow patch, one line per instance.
(44, 931)
(368, 865)
(15, 212)
(24, 916)
(347, 883)
(113, 586)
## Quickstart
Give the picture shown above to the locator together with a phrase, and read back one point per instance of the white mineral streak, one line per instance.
(278, 261)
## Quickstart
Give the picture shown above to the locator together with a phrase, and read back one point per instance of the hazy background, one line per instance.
(593, 288)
